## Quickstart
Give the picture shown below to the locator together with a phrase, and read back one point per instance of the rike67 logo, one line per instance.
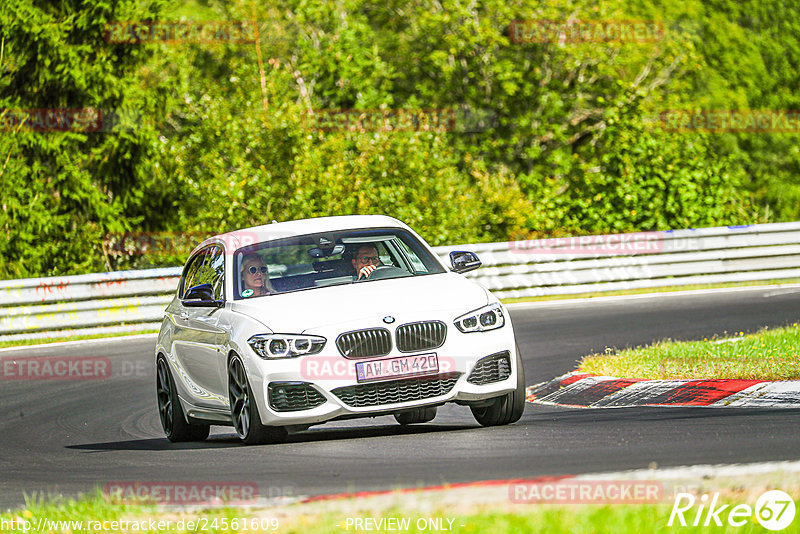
(774, 510)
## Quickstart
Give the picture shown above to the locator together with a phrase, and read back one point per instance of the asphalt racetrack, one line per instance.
(67, 437)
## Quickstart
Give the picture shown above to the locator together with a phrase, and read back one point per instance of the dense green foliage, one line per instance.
(549, 138)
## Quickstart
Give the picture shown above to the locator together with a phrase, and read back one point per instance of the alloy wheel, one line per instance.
(164, 394)
(239, 393)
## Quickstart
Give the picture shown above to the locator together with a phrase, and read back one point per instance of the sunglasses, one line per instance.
(369, 259)
(253, 269)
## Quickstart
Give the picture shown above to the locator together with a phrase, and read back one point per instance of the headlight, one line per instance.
(270, 346)
(486, 318)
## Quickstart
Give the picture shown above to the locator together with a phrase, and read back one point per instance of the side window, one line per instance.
(208, 267)
(412, 257)
(217, 265)
(387, 258)
(190, 273)
(211, 271)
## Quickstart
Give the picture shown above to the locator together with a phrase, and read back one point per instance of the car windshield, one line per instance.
(327, 259)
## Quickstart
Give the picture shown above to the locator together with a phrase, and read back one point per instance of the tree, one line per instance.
(66, 185)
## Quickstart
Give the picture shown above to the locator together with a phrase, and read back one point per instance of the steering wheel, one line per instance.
(384, 271)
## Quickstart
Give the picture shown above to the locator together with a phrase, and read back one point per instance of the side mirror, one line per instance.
(463, 261)
(201, 295)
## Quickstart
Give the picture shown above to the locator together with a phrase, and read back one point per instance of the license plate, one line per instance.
(402, 366)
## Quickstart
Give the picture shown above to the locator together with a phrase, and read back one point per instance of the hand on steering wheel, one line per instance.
(366, 271)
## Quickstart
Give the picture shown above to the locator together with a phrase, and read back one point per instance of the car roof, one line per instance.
(276, 230)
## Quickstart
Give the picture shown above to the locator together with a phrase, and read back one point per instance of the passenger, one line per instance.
(255, 276)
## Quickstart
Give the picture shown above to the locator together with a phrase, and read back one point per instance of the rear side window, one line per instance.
(216, 264)
(206, 267)
(190, 271)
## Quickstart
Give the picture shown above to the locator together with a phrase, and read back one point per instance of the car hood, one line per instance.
(444, 296)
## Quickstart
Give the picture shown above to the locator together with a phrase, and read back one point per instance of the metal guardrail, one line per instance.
(66, 306)
(135, 300)
(631, 261)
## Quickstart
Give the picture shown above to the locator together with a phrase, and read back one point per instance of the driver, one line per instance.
(366, 260)
(255, 276)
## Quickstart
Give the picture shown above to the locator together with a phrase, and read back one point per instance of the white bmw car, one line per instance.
(283, 326)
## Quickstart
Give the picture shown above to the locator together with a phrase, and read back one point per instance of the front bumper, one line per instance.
(319, 388)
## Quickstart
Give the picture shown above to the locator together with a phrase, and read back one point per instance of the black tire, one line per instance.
(173, 421)
(244, 411)
(506, 409)
(417, 415)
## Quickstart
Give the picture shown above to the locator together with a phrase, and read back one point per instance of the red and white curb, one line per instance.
(589, 391)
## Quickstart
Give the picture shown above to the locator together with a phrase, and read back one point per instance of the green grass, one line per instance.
(29, 342)
(645, 290)
(329, 517)
(766, 355)
(93, 507)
